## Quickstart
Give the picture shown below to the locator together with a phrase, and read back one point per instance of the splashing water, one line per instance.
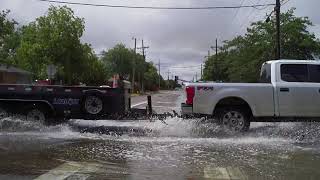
(176, 128)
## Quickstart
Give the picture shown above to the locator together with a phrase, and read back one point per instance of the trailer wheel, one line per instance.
(93, 105)
(234, 119)
(36, 115)
(3, 113)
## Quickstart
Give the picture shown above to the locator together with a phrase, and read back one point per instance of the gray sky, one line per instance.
(178, 38)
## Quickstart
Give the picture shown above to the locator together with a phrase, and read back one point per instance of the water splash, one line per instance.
(176, 128)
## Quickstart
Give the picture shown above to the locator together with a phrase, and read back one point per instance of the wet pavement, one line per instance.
(183, 149)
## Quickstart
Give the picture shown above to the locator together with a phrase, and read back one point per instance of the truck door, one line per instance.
(314, 79)
(296, 95)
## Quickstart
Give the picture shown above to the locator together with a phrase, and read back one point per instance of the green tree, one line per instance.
(119, 60)
(239, 60)
(151, 77)
(9, 38)
(141, 66)
(55, 39)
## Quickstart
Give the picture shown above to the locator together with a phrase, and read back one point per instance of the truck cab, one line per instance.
(296, 87)
(288, 90)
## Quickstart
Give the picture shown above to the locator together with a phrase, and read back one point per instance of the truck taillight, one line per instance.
(190, 94)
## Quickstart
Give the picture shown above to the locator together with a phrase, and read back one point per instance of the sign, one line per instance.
(66, 101)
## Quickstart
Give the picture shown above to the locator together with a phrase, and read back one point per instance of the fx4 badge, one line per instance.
(204, 88)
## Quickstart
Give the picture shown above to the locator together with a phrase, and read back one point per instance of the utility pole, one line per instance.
(196, 76)
(143, 48)
(159, 75)
(201, 73)
(134, 64)
(216, 47)
(278, 11)
(144, 57)
(168, 78)
(143, 54)
(216, 59)
(208, 56)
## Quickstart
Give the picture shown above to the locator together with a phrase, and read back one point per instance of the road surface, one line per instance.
(183, 149)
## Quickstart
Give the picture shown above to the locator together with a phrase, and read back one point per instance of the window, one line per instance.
(265, 76)
(294, 72)
(314, 73)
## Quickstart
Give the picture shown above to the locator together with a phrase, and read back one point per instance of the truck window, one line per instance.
(294, 72)
(265, 74)
(314, 73)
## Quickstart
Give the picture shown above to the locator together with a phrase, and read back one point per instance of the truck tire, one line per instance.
(93, 105)
(36, 114)
(234, 119)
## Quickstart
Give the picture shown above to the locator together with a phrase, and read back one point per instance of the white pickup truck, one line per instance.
(289, 90)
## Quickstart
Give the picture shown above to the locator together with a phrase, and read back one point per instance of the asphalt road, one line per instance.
(183, 149)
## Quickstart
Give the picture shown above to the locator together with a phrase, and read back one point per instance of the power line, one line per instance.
(254, 15)
(284, 2)
(158, 7)
(251, 17)
(235, 15)
(170, 66)
(262, 8)
(186, 67)
(247, 17)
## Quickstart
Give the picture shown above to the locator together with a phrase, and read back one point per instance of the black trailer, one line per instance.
(50, 103)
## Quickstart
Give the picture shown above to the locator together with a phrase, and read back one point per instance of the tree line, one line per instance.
(55, 38)
(240, 59)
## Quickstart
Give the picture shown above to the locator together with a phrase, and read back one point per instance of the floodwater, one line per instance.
(183, 149)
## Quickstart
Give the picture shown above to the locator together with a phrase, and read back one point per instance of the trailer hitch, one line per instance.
(149, 114)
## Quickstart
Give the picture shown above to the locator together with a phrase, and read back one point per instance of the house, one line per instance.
(13, 75)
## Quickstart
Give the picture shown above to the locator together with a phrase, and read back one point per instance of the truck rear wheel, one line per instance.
(234, 119)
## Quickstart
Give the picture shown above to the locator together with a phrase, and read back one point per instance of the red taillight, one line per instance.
(190, 94)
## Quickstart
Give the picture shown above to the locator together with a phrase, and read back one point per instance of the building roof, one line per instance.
(11, 69)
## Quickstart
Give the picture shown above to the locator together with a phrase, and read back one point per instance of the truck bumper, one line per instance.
(186, 109)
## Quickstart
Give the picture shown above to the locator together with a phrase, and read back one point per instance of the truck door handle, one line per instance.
(284, 89)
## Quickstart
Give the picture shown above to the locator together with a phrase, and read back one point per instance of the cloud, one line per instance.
(177, 38)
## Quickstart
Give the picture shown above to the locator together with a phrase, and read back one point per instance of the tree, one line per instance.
(9, 38)
(91, 71)
(55, 39)
(240, 59)
(119, 60)
(151, 77)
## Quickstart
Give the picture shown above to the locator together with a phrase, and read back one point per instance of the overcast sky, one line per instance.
(178, 38)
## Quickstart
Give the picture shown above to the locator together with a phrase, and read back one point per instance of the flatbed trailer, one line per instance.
(52, 103)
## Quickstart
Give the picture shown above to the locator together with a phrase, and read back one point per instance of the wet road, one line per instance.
(184, 149)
